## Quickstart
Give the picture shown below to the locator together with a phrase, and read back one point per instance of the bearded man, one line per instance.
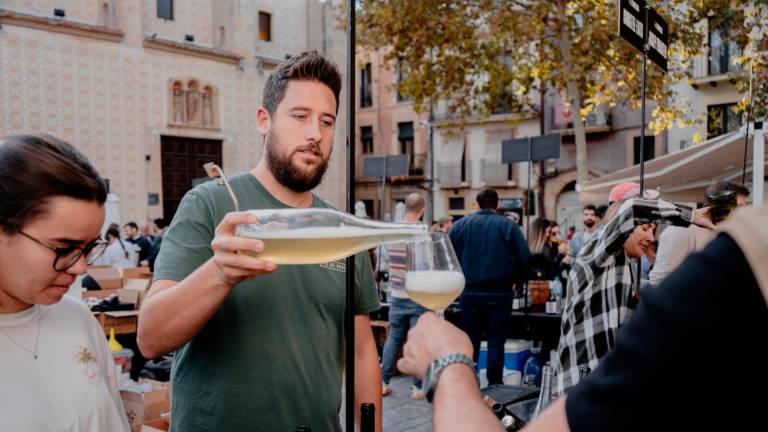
(259, 347)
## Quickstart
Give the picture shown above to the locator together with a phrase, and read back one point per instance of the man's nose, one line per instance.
(313, 130)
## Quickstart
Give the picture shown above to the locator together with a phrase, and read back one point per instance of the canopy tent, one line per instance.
(685, 175)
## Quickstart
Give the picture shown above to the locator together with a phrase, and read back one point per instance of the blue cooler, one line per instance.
(516, 352)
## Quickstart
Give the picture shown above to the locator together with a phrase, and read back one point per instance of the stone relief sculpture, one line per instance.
(208, 107)
(193, 104)
(192, 107)
(178, 103)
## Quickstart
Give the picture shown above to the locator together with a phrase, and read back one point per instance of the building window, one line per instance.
(649, 149)
(366, 88)
(400, 78)
(723, 50)
(368, 207)
(405, 136)
(165, 9)
(265, 26)
(366, 138)
(456, 203)
(722, 119)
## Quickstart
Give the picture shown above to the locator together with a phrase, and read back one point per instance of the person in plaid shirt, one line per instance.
(601, 293)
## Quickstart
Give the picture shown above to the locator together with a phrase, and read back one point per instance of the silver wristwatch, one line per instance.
(433, 371)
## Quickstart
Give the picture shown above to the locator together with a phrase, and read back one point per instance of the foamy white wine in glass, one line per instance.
(433, 276)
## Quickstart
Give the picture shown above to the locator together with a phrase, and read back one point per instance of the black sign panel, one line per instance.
(541, 148)
(658, 39)
(373, 166)
(395, 165)
(632, 29)
(632, 22)
(546, 147)
(515, 150)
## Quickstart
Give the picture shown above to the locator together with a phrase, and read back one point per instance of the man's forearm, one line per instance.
(458, 404)
(173, 314)
(367, 369)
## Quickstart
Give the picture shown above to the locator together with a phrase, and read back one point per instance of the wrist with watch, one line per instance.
(432, 375)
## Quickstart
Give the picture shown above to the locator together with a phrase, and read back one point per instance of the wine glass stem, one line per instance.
(440, 313)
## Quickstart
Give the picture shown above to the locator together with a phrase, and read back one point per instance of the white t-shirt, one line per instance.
(71, 386)
(114, 255)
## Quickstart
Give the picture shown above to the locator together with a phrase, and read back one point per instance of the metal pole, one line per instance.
(749, 120)
(349, 324)
(528, 192)
(642, 135)
(642, 105)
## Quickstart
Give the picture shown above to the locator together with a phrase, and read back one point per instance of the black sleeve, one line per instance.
(680, 363)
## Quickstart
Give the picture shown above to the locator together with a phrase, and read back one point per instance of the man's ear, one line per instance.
(263, 120)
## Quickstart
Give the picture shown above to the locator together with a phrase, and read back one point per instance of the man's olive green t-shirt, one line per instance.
(272, 356)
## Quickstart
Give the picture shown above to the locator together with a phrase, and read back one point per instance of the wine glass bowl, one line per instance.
(433, 275)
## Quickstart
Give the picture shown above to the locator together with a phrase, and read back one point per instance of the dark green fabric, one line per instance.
(272, 357)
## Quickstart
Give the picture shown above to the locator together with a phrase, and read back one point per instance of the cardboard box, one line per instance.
(107, 277)
(126, 295)
(148, 406)
(136, 273)
(138, 286)
(161, 425)
(124, 322)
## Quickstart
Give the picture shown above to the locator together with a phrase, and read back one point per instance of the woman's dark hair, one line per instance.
(114, 232)
(36, 168)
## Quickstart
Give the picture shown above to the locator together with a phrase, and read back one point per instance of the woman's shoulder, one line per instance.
(70, 308)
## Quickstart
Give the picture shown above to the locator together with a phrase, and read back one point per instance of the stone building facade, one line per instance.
(150, 97)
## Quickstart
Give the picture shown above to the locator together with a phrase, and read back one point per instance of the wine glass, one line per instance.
(433, 275)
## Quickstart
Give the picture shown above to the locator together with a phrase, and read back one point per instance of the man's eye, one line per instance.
(301, 117)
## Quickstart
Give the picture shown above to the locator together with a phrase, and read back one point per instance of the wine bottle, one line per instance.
(367, 417)
(551, 306)
(507, 418)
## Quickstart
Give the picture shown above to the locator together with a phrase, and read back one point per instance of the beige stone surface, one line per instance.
(112, 99)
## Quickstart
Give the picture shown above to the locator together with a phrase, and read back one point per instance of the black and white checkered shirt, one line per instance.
(600, 289)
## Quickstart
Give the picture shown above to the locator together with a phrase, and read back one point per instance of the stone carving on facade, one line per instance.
(189, 106)
(208, 107)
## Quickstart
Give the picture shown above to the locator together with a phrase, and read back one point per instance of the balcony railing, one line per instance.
(495, 173)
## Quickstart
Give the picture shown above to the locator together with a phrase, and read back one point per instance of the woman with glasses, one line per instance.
(55, 368)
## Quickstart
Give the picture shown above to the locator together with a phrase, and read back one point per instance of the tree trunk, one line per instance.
(574, 97)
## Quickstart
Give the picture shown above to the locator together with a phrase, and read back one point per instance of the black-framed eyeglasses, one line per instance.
(66, 257)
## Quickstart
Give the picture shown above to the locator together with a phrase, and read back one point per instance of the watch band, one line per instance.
(434, 369)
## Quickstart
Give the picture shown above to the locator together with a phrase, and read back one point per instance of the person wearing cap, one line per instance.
(601, 286)
(676, 243)
(657, 377)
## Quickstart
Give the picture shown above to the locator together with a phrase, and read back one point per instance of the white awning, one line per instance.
(683, 175)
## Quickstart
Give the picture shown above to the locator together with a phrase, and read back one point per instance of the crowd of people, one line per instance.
(260, 346)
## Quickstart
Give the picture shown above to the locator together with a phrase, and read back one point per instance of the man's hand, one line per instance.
(232, 267)
(702, 218)
(431, 338)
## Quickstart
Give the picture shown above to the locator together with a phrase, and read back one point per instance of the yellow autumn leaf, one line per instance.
(696, 138)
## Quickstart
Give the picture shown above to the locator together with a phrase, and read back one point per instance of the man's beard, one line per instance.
(589, 224)
(290, 176)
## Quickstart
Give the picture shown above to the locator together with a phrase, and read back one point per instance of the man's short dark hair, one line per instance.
(309, 66)
(723, 186)
(590, 207)
(601, 210)
(488, 199)
(132, 225)
(160, 223)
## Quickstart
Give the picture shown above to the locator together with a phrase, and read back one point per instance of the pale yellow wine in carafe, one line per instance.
(318, 245)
